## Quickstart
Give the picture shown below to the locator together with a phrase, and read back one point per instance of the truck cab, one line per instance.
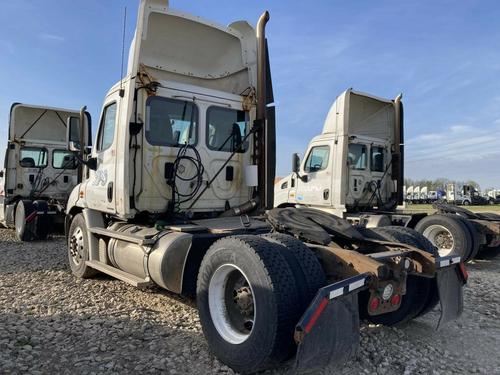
(349, 166)
(39, 172)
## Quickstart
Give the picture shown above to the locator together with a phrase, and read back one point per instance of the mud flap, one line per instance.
(450, 280)
(328, 332)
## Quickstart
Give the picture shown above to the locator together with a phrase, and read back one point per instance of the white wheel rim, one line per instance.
(231, 303)
(440, 237)
(76, 246)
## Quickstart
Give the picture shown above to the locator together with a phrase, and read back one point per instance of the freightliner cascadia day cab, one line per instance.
(354, 170)
(178, 188)
(39, 172)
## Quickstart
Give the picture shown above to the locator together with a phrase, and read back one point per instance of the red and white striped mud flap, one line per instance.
(328, 332)
(450, 278)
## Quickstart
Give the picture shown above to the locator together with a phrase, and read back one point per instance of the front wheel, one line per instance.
(78, 248)
(248, 303)
(24, 220)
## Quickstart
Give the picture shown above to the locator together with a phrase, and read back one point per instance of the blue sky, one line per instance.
(443, 55)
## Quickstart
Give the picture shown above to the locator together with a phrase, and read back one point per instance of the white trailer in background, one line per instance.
(39, 172)
(409, 194)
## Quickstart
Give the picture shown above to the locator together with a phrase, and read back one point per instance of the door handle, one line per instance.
(326, 194)
(110, 192)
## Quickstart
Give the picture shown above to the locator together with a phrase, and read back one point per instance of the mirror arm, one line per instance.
(302, 178)
(91, 163)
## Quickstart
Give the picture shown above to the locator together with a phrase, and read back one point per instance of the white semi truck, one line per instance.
(39, 172)
(177, 191)
(354, 169)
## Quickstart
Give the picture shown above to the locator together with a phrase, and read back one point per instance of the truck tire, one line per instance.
(473, 234)
(24, 220)
(42, 224)
(425, 244)
(417, 288)
(78, 248)
(448, 233)
(309, 274)
(248, 303)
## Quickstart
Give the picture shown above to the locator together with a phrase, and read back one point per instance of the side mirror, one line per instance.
(73, 134)
(78, 132)
(295, 163)
(1, 174)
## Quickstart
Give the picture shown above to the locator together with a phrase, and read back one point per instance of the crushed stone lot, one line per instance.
(51, 322)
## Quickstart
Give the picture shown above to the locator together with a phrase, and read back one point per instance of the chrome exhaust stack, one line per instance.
(266, 133)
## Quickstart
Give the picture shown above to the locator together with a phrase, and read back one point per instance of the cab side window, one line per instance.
(377, 159)
(107, 129)
(317, 159)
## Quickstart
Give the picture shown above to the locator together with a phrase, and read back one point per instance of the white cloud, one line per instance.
(52, 38)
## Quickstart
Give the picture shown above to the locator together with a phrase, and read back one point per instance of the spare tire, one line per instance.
(448, 233)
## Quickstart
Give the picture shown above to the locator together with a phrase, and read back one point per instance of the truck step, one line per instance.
(122, 236)
(119, 274)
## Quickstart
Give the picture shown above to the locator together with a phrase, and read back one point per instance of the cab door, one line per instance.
(100, 192)
(314, 188)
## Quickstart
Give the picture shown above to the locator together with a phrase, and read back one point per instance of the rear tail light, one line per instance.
(395, 299)
(374, 304)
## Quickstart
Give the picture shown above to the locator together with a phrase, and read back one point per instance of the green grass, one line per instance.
(428, 208)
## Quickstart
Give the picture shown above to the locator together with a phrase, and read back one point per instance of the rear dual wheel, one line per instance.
(249, 300)
(451, 234)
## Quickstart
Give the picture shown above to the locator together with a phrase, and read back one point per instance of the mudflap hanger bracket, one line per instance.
(450, 278)
(328, 332)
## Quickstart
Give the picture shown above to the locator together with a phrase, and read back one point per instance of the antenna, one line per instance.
(122, 91)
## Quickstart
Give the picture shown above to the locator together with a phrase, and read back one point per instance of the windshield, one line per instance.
(171, 122)
(356, 157)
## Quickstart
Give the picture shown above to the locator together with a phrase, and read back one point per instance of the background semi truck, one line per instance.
(39, 172)
(355, 169)
(178, 192)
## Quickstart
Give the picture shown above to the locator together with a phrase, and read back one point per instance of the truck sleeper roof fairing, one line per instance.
(179, 47)
(38, 123)
(352, 110)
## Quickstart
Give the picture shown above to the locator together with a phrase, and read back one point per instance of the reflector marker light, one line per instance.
(449, 261)
(336, 293)
(316, 315)
(356, 285)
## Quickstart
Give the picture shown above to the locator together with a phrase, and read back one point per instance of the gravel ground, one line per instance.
(50, 322)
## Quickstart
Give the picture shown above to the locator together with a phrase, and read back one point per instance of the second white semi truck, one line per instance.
(355, 170)
(39, 172)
